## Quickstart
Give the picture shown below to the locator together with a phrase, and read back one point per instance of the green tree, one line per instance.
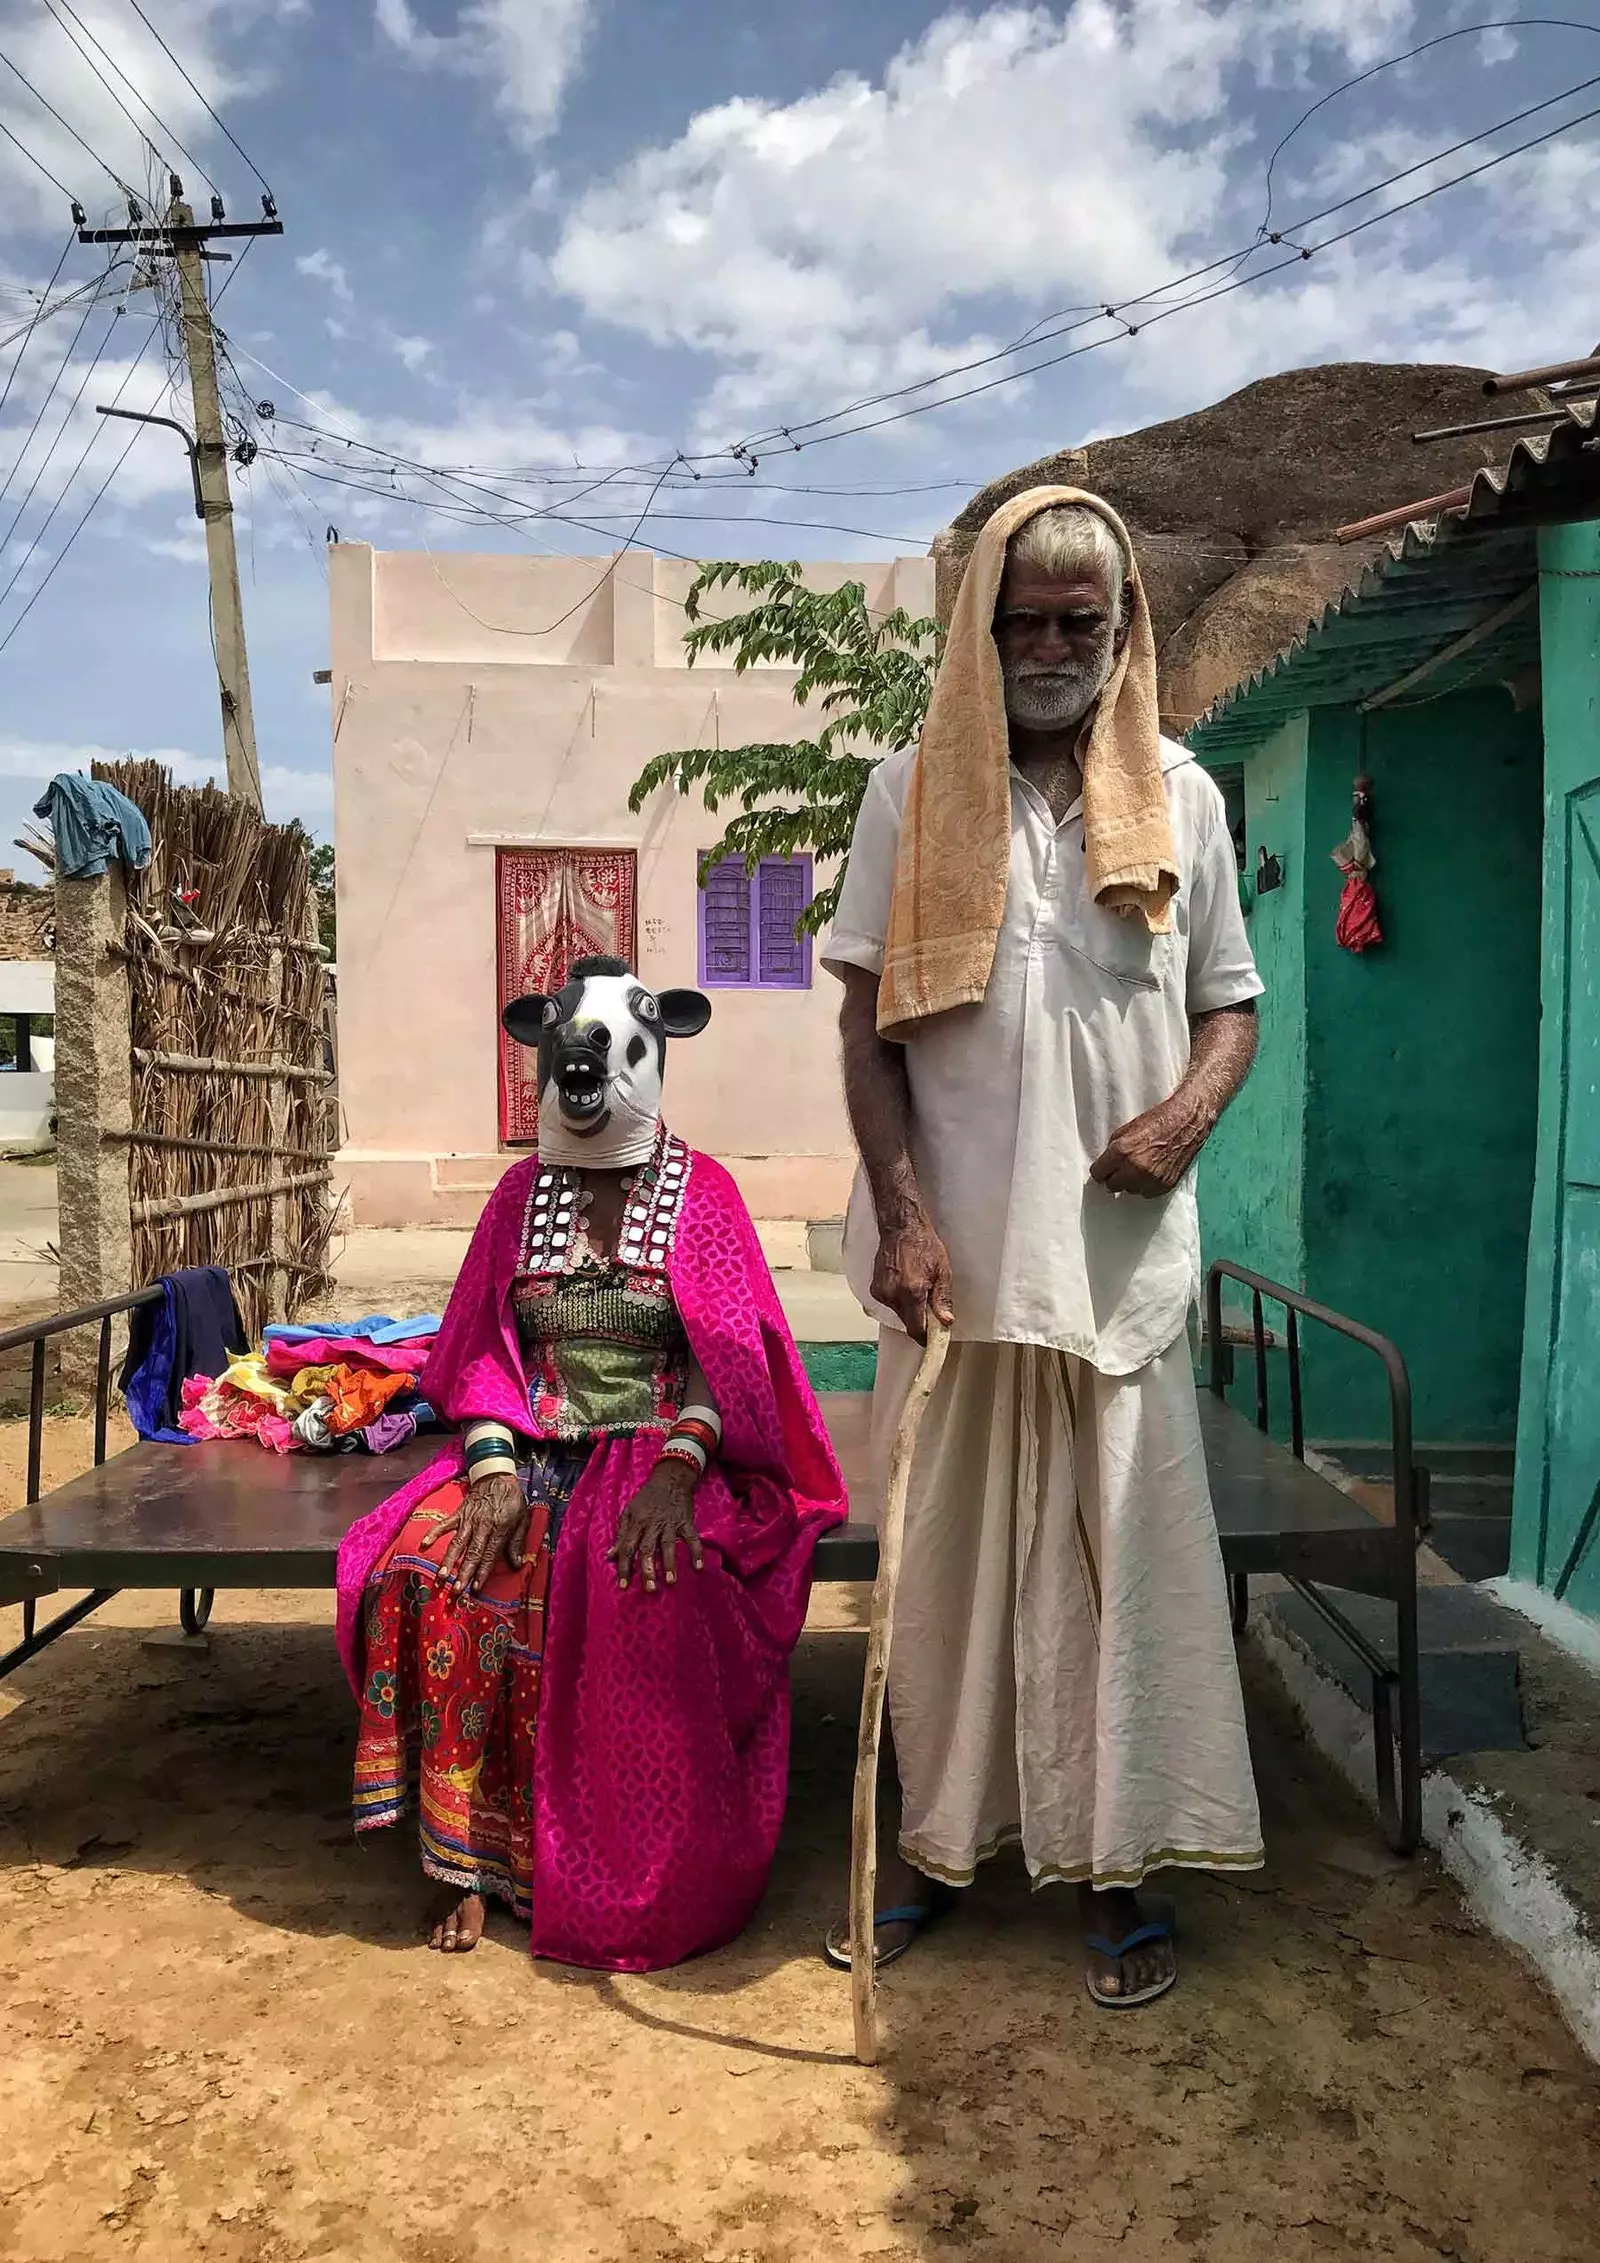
(870, 676)
(322, 882)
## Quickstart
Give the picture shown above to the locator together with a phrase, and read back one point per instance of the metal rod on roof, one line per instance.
(1479, 633)
(1403, 516)
(1517, 382)
(1490, 424)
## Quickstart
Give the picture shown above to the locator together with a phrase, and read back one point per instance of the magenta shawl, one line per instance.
(663, 1737)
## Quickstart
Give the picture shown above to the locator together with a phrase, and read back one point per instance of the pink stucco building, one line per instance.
(489, 716)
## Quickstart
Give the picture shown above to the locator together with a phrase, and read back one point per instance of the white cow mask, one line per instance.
(602, 1043)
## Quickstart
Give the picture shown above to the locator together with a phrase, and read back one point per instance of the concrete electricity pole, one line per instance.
(183, 240)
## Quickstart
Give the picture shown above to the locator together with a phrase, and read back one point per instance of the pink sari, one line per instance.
(661, 1759)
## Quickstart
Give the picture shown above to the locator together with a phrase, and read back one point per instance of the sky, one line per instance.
(554, 261)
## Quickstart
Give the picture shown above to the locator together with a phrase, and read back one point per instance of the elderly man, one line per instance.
(1048, 1004)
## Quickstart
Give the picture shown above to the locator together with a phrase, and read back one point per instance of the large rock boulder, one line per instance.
(1233, 509)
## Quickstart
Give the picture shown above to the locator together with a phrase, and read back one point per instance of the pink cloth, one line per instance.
(286, 1360)
(663, 1740)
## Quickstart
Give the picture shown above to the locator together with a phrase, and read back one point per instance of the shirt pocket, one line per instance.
(1125, 949)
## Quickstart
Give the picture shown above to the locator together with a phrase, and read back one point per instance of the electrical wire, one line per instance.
(38, 317)
(37, 162)
(1119, 308)
(48, 457)
(47, 104)
(216, 119)
(60, 10)
(1206, 298)
(39, 534)
(61, 369)
(61, 555)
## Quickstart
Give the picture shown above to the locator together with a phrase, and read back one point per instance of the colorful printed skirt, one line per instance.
(450, 1704)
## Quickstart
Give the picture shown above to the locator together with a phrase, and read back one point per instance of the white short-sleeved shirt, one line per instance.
(1084, 1025)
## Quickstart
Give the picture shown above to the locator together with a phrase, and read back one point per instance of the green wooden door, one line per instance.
(1556, 1541)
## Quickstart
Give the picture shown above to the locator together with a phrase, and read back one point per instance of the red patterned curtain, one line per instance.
(553, 906)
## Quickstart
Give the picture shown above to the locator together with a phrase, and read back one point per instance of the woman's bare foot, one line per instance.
(1141, 1972)
(455, 1921)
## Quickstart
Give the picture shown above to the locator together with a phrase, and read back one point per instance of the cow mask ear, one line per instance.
(684, 1013)
(527, 1019)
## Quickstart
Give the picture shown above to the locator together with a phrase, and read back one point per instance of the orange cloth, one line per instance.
(954, 857)
(356, 1397)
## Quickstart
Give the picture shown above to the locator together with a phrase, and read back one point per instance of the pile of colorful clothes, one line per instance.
(341, 1387)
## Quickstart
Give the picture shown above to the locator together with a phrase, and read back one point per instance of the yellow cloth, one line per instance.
(954, 856)
(249, 1375)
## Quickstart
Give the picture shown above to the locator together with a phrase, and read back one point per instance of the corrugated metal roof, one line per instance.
(1436, 583)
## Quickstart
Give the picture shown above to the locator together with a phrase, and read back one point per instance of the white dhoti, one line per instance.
(1063, 1672)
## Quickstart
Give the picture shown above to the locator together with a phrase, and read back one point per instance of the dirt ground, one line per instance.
(222, 2038)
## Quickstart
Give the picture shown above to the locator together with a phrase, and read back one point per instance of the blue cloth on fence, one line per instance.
(194, 1330)
(94, 826)
(377, 1328)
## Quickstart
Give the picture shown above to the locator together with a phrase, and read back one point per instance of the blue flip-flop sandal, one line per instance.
(918, 1915)
(1157, 1928)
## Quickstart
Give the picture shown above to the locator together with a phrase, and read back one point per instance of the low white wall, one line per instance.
(26, 1106)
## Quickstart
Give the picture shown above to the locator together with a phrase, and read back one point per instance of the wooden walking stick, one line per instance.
(864, 1821)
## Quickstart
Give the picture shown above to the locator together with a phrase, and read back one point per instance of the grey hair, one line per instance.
(1071, 539)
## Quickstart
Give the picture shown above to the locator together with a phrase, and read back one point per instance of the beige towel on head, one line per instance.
(954, 857)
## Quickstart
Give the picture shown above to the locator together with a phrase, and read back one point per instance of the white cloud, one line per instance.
(412, 351)
(287, 792)
(528, 49)
(322, 267)
(1017, 159)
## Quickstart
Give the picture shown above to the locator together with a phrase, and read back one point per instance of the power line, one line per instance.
(44, 524)
(61, 432)
(61, 369)
(45, 101)
(37, 162)
(60, 557)
(60, 9)
(216, 120)
(1205, 298)
(38, 317)
(1120, 307)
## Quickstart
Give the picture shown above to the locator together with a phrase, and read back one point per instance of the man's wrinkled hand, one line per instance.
(912, 1277)
(1150, 1155)
(493, 1518)
(660, 1514)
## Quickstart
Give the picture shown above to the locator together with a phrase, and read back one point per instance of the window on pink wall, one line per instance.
(747, 925)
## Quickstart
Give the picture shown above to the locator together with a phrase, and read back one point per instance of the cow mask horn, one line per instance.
(602, 1044)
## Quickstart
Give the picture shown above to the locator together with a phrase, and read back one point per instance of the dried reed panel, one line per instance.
(223, 968)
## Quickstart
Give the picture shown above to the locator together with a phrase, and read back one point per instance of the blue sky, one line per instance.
(524, 235)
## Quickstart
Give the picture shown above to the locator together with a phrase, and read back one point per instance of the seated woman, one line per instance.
(570, 1636)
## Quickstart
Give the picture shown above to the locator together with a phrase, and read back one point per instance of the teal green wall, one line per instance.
(1422, 1061)
(1252, 1172)
(1555, 1539)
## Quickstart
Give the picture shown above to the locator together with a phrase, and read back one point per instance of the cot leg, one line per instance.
(194, 1608)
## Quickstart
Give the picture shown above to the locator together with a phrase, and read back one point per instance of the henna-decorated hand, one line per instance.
(660, 1514)
(1150, 1155)
(493, 1518)
(912, 1276)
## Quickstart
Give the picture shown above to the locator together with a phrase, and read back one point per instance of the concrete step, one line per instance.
(1469, 1670)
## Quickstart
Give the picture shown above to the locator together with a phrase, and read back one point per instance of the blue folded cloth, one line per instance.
(375, 1329)
(194, 1330)
(94, 826)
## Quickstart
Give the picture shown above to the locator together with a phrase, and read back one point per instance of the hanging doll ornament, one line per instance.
(1358, 927)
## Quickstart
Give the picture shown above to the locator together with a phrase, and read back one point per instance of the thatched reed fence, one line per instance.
(229, 1129)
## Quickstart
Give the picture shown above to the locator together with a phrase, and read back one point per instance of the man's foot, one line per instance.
(1128, 1947)
(900, 1889)
(455, 1922)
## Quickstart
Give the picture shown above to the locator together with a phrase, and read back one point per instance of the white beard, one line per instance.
(1055, 699)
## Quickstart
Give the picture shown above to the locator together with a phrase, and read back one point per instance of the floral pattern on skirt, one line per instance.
(450, 1703)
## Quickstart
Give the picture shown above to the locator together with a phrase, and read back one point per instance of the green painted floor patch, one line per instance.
(840, 1367)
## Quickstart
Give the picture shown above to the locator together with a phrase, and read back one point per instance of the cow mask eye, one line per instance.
(647, 1008)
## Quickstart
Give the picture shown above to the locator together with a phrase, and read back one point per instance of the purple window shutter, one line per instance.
(725, 913)
(785, 889)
